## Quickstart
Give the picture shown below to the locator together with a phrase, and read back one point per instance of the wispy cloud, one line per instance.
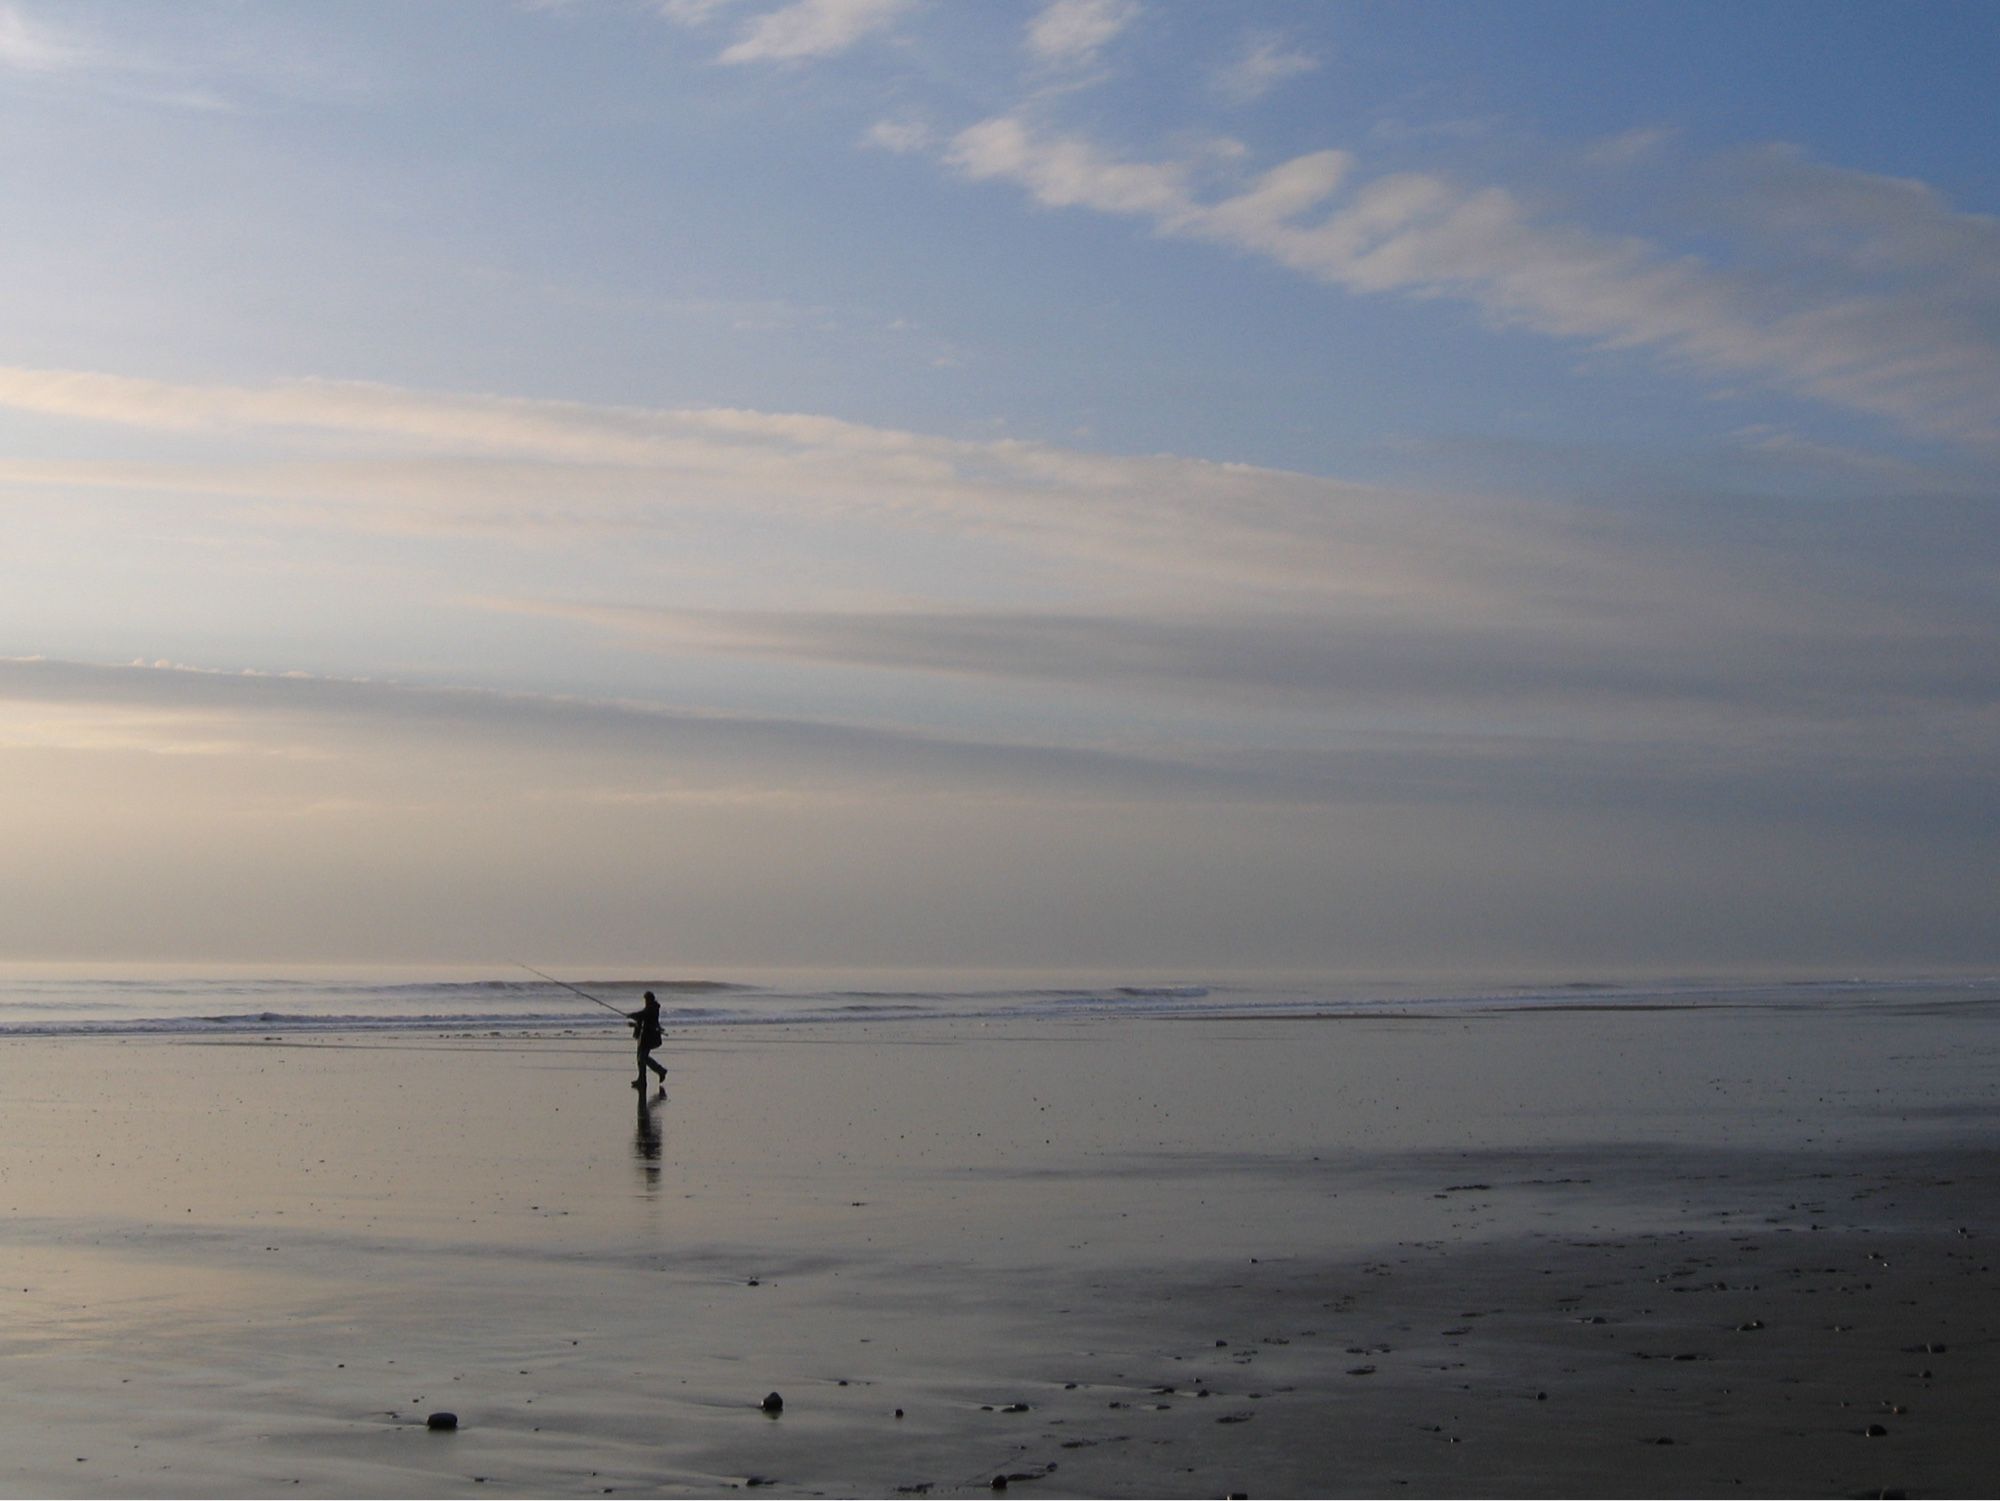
(812, 29)
(1068, 33)
(1478, 619)
(319, 713)
(1899, 324)
(30, 46)
(1629, 146)
(613, 749)
(899, 136)
(382, 455)
(1264, 63)
(1665, 662)
(696, 12)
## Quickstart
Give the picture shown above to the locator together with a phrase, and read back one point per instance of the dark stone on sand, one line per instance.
(899, 1412)
(1015, 1407)
(441, 1422)
(774, 1404)
(999, 1482)
(1876, 1430)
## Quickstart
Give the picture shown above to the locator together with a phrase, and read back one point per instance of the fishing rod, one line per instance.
(567, 986)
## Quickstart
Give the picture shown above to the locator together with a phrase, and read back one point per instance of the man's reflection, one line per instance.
(646, 1138)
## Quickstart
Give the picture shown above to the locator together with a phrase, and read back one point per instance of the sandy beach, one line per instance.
(1688, 1251)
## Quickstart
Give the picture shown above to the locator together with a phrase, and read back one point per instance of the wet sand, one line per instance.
(1684, 1252)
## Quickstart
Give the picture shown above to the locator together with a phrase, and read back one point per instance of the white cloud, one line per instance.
(1630, 146)
(308, 717)
(899, 136)
(695, 12)
(1070, 32)
(31, 47)
(381, 458)
(1903, 327)
(1193, 585)
(812, 28)
(1264, 63)
(613, 747)
(1065, 172)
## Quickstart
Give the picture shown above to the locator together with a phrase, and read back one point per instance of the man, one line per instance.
(646, 1028)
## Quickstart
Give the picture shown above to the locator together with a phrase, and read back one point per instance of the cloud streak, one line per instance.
(811, 29)
(399, 459)
(683, 747)
(1425, 646)
(1900, 323)
(1265, 63)
(30, 47)
(638, 750)
(1815, 670)
(1068, 33)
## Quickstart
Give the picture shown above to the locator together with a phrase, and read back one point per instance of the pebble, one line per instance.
(1876, 1430)
(441, 1422)
(774, 1404)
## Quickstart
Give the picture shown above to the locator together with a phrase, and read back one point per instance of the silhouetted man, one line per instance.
(646, 1027)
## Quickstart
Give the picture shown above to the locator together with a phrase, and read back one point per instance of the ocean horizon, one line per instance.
(197, 1001)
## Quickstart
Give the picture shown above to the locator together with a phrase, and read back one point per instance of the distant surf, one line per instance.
(239, 1006)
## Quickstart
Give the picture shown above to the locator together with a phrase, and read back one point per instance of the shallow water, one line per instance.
(238, 1266)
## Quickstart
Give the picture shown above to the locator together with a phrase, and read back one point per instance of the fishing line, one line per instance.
(567, 986)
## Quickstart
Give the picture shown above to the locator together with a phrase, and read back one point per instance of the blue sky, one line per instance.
(1105, 482)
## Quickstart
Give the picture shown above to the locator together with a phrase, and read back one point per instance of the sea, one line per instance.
(63, 1002)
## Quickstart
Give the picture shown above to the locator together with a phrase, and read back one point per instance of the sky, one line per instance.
(1378, 488)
